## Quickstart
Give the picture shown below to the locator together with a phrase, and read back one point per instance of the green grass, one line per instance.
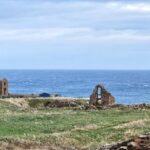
(79, 128)
(35, 103)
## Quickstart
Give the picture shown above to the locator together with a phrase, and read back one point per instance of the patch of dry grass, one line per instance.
(135, 123)
(19, 102)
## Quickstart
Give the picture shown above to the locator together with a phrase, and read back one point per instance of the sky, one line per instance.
(75, 34)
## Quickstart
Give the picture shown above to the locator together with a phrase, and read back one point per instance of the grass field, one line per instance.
(70, 128)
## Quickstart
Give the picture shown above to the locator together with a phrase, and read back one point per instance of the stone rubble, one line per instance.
(139, 143)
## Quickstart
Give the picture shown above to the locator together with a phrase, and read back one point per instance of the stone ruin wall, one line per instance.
(3, 87)
(106, 97)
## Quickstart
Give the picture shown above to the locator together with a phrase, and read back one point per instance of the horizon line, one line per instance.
(29, 69)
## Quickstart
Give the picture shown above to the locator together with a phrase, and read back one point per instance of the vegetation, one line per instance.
(70, 128)
(37, 103)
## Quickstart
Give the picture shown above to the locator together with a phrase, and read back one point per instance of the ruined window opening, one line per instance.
(99, 93)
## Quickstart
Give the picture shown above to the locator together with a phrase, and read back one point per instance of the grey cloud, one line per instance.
(23, 15)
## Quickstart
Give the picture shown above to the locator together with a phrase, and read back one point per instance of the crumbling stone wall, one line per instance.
(3, 87)
(101, 97)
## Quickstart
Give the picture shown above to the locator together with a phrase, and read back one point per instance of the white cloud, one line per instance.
(124, 6)
(78, 20)
(145, 7)
(39, 34)
(73, 14)
(80, 35)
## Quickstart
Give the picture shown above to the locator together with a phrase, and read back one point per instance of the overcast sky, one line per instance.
(74, 34)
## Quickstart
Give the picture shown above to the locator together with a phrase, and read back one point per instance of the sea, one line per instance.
(128, 87)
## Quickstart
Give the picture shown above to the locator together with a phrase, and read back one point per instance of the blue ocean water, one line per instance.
(129, 87)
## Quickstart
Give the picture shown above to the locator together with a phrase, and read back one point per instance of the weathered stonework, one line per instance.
(138, 143)
(3, 87)
(101, 97)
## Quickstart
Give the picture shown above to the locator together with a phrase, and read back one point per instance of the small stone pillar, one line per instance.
(101, 97)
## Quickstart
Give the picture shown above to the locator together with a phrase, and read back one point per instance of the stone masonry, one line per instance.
(101, 97)
(3, 87)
